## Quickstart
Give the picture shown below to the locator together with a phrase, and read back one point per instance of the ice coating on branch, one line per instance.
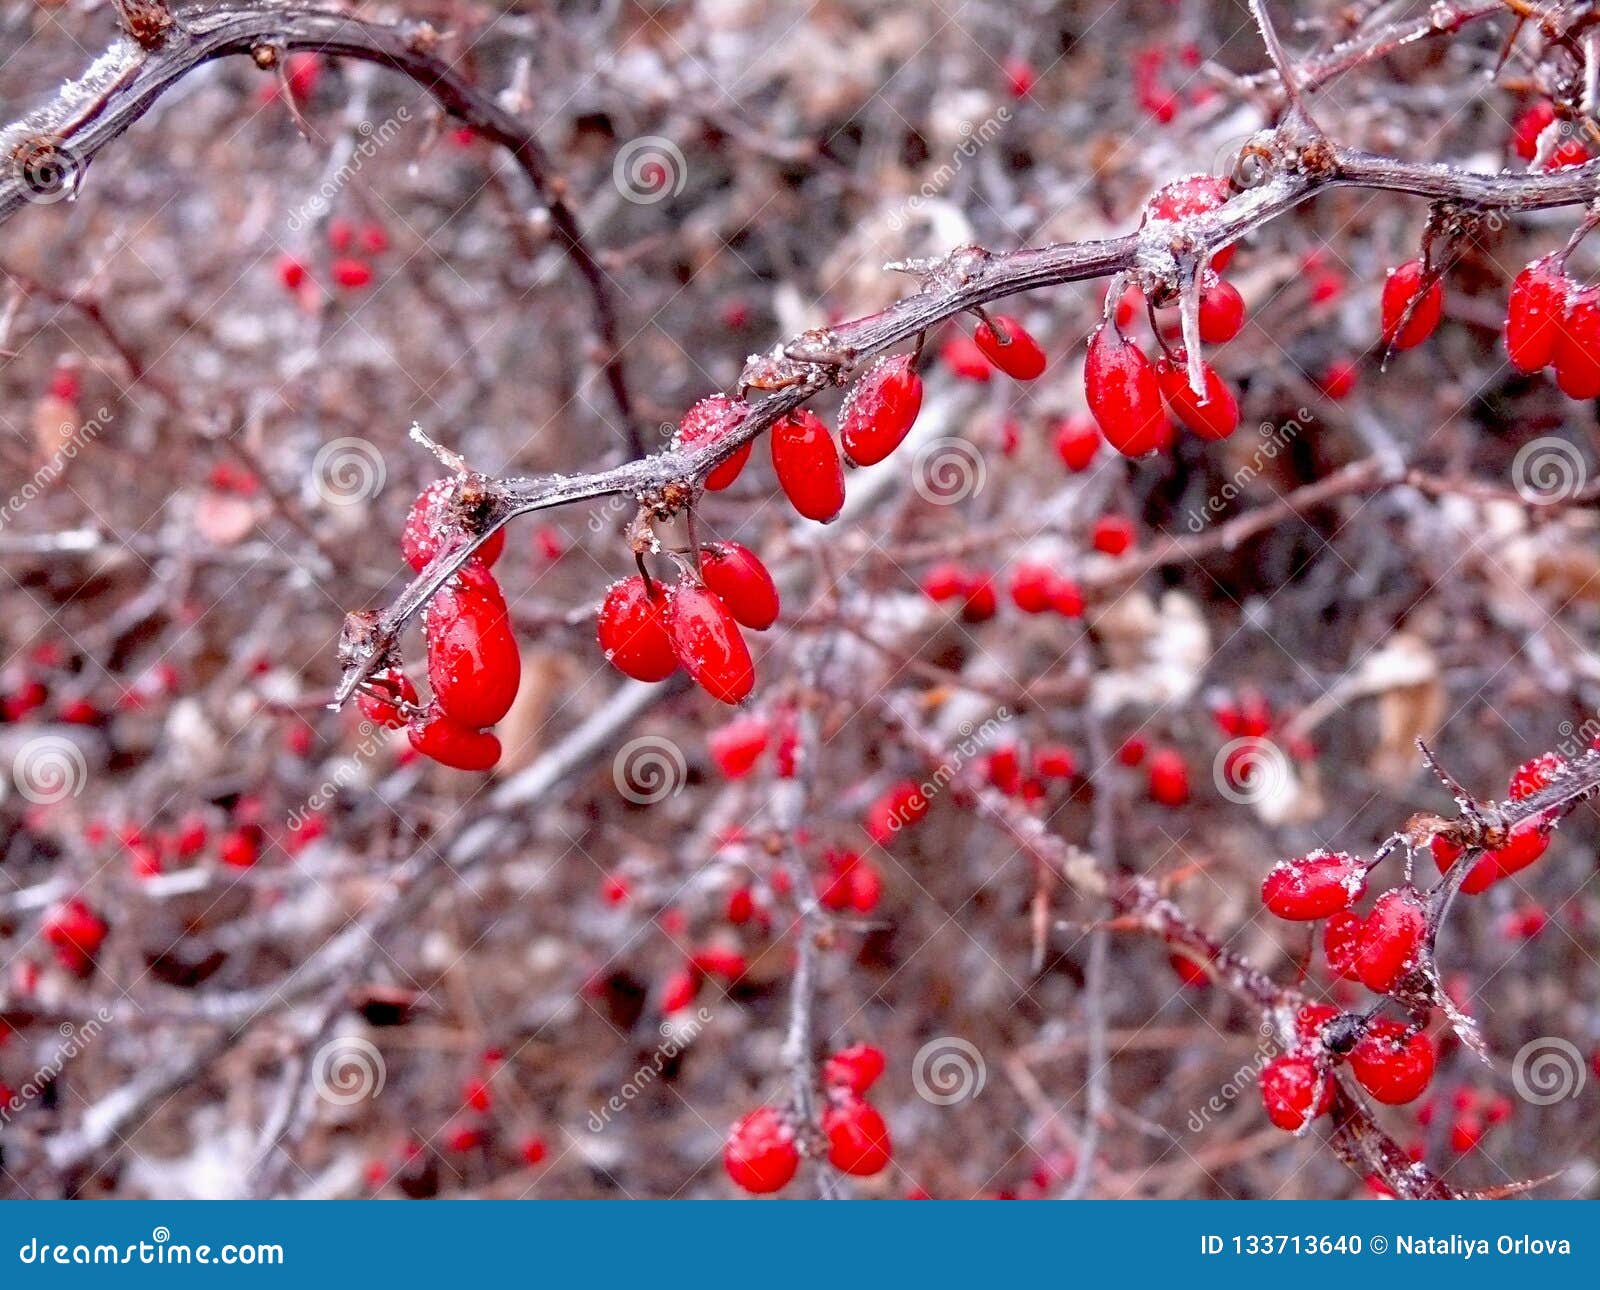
(58, 115)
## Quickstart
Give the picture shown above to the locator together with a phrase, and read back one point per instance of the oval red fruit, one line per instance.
(390, 688)
(709, 421)
(1393, 1062)
(632, 631)
(880, 410)
(1221, 313)
(736, 574)
(474, 664)
(1006, 343)
(1402, 292)
(1391, 939)
(858, 1139)
(1534, 310)
(807, 465)
(433, 525)
(1123, 393)
(452, 744)
(1294, 1090)
(1313, 886)
(706, 639)
(760, 1155)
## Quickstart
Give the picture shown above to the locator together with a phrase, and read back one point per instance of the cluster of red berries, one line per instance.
(763, 1148)
(1473, 1114)
(1392, 1061)
(1528, 840)
(74, 933)
(474, 665)
(1552, 322)
(737, 748)
(353, 247)
(1026, 773)
(1566, 150)
(1129, 395)
(648, 630)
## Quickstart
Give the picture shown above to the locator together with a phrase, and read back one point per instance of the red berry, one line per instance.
(879, 411)
(1066, 598)
(1077, 443)
(75, 933)
(341, 236)
(1168, 777)
(1031, 587)
(291, 272)
(706, 638)
(1113, 534)
(239, 848)
(1020, 77)
(899, 807)
(1577, 350)
(474, 664)
(853, 1070)
(1529, 840)
(982, 602)
(1535, 775)
(807, 466)
(1123, 392)
(1338, 379)
(761, 1156)
(1402, 291)
(352, 275)
(1393, 1062)
(709, 421)
(374, 238)
(1194, 195)
(1214, 417)
(735, 573)
(1294, 1090)
(1527, 128)
(1341, 938)
(945, 582)
(1006, 343)
(1221, 313)
(965, 359)
(1054, 761)
(737, 746)
(1569, 152)
(858, 1139)
(1313, 886)
(532, 1150)
(632, 631)
(1534, 310)
(679, 989)
(1391, 939)
(1311, 1021)
(433, 527)
(741, 906)
(452, 744)
(385, 711)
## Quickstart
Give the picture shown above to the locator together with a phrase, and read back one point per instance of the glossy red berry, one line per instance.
(760, 1155)
(632, 631)
(1535, 775)
(1294, 1090)
(1577, 350)
(706, 638)
(982, 601)
(737, 746)
(1167, 777)
(735, 573)
(807, 465)
(292, 272)
(1123, 393)
(1214, 417)
(1194, 195)
(1032, 586)
(858, 1139)
(432, 526)
(1393, 1062)
(964, 360)
(1006, 343)
(390, 689)
(1077, 443)
(1341, 939)
(1391, 940)
(452, 744)
(1313, 886)
(880, 410)
(1529, 840)
(1403, 291)
(1113, 534)
(352, 274)
(853, 1070)
(1528, 126)
(710, 421)
(474, 664)
(1534, 310)
(1221, 313)
(901, 805)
